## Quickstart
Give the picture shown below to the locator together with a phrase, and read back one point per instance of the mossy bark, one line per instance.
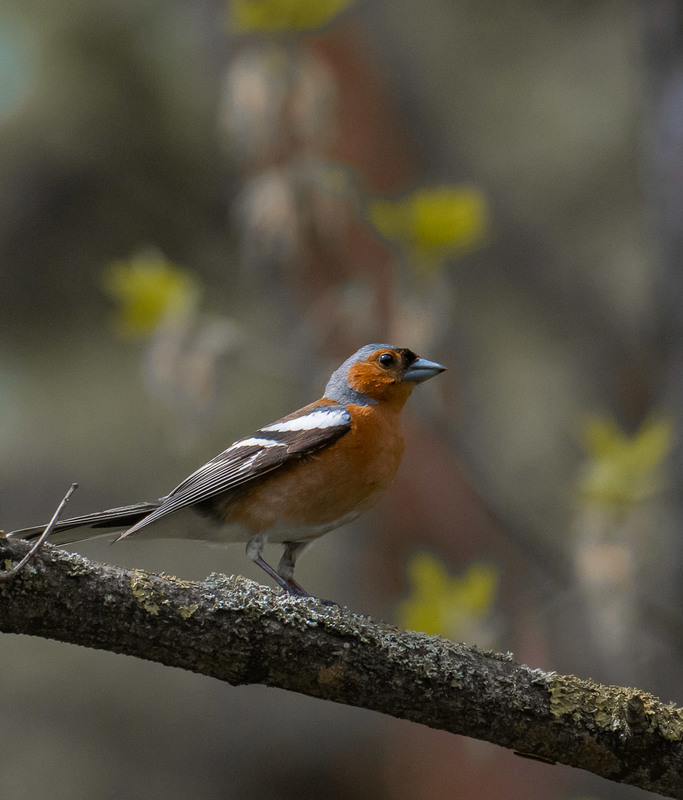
(238, 631)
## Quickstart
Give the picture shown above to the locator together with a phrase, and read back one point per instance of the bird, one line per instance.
(292, 480)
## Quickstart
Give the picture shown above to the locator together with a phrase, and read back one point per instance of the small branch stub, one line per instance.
(8, 574)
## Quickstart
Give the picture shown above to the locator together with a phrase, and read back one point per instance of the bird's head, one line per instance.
(379, 373)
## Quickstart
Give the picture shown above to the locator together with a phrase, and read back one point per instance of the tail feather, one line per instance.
(90, 526)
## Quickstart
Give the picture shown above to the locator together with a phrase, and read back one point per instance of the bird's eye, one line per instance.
(387, 360)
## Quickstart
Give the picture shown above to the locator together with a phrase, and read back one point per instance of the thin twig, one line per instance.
(9, 574)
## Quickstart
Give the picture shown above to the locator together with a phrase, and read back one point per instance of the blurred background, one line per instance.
(206, 206)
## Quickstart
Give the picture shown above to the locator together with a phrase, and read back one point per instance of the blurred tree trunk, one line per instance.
(662, 34)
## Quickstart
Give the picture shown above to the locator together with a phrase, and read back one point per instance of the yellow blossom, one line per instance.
(622, 470)
(432, 224)
(278, 16)
(149, 290)
(439, 602)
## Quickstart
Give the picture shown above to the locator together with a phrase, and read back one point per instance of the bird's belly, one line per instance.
(289, 531)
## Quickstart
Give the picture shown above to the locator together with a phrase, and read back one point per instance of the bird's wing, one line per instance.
(293, 437)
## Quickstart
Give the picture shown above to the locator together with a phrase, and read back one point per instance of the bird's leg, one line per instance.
(286, 571)
(254, 550)
(286, 566)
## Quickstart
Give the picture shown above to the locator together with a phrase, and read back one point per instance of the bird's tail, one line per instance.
(90, 526)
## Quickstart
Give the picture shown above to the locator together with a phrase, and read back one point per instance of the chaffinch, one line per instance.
(290, 481)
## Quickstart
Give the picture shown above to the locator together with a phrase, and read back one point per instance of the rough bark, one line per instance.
(238, 631)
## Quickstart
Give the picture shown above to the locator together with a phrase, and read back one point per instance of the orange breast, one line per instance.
(349, 475)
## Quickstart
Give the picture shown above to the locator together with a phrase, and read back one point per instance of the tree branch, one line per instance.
(238, 631)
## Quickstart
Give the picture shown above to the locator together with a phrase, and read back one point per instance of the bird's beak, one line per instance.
(422, 370)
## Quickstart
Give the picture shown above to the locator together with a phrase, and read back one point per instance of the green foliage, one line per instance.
(439, 602)
(433, 224)
(622, 470)
(278, 16)
(149, 291)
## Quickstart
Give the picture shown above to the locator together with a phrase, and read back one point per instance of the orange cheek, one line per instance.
(367, 379)
(379, 385)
